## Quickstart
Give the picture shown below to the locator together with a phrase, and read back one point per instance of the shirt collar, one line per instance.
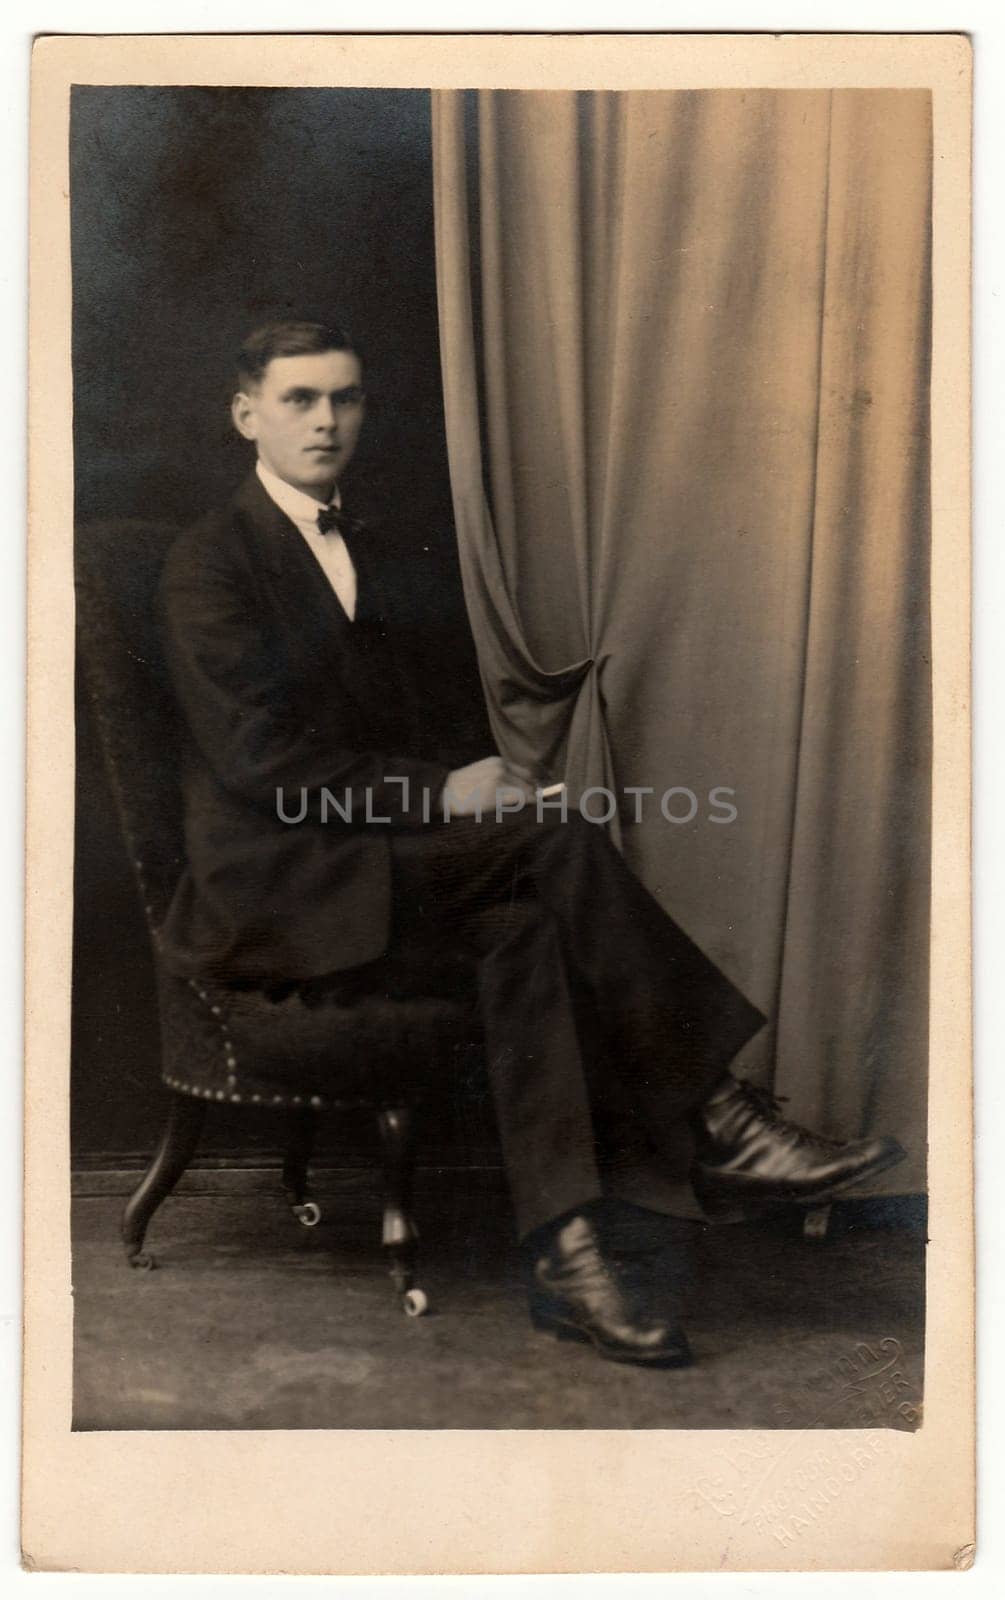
(299, 507)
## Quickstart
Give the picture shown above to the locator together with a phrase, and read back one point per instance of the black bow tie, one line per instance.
(330, 517)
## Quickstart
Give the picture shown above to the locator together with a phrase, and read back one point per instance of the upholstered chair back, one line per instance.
(118, 567)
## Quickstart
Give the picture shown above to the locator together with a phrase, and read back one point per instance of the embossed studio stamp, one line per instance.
(867, 1386)
(742, 1464)
(810, 1491)
(751, 1489)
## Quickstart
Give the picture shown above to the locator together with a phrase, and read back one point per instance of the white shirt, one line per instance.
(329, 549)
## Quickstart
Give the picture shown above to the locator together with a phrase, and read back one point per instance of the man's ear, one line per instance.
(242, 411)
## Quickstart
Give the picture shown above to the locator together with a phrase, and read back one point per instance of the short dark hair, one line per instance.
(293, 338)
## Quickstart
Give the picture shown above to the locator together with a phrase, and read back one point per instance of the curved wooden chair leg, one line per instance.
(296, 1165)
(175, 1151)
(399, 1233)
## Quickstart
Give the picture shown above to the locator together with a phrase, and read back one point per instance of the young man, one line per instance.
(317, 841)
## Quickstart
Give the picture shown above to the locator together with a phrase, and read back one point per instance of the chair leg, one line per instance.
(296, 1164)
(399, 1234)
(175, 1151)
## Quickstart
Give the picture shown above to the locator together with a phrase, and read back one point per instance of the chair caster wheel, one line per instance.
(308, 1214)
(414, 1303)
(816, 1222)
(140, 1262)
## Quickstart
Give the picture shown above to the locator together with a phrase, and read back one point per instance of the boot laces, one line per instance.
(769, 1106)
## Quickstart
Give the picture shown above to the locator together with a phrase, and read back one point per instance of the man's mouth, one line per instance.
(323, 450)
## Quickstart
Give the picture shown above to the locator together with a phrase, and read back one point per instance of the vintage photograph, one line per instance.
(503, 784)
(498, 1082)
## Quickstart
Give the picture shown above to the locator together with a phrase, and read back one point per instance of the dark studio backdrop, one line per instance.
(197, 214)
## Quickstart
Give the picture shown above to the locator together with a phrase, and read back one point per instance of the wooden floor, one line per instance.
(253, 1322)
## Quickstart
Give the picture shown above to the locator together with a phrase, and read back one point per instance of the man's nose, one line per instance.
(325, 414)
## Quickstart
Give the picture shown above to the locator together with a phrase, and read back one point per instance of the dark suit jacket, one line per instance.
(280, 691)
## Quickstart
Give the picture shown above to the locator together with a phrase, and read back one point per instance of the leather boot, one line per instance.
(577, 1294)
(746, 1151)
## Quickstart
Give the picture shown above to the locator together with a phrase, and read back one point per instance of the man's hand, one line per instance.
(484, 785)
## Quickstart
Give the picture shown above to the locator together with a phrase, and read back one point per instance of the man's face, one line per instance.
(305, 418)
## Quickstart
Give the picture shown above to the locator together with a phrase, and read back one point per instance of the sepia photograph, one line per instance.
(502, 834)
(641, 382)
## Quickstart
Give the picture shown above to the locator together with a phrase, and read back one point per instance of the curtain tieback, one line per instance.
(546, 687)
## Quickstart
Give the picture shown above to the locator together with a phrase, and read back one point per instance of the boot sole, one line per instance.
(560, 1328)
(718, 1200)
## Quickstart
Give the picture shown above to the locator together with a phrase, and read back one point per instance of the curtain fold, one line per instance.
(684, 342)
(853, 997)
(541, 685)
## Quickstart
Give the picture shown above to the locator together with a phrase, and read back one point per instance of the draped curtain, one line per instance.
(685, 359)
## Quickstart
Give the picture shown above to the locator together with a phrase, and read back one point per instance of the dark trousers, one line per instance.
(596, 1006)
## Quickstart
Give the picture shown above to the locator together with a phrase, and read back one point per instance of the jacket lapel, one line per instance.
(333, 649)
(297, 579)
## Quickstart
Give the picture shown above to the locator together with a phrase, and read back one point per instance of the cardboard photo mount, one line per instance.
(488, 1502)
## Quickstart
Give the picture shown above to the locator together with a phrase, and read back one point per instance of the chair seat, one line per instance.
(380, 1035)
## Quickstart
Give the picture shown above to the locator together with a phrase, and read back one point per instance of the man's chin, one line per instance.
(319, 484)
